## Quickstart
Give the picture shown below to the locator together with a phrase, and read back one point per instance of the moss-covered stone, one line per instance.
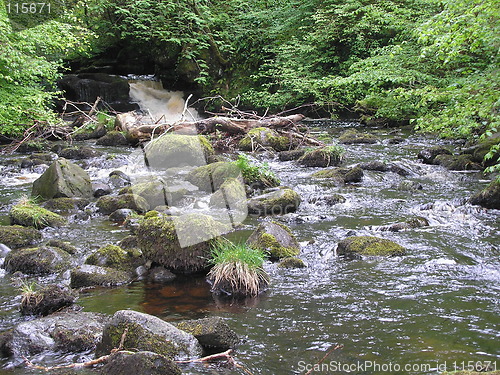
(16, 236)
(210, 177)
(148, 333)
(357, 246)
(156, 193)
(31, 215)
(322, 157)
(328, 200)
(212, 333)
(47, 300)
(142, 362)
(352, 136)
(341, 175)
(110, 203)
(291, 155)
(232, 196)
(113, 256)
(291, 262)
(265, 138)
(174, 150)
(89, 276)
(66, 205)
(489, 197)
(276, 239)
(278, 202)
(63, 245)
(37, 261)
(63, 179)
(428, 155)
(457, 162)
(79, 153)
(181, 244)
(112, 138)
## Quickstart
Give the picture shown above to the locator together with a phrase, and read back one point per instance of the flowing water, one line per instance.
(437, 306)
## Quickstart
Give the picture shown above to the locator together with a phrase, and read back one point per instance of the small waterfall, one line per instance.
(161, 105)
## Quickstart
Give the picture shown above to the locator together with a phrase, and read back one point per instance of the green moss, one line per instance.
(210, 177)
(151, 214)
(277, 202)
(32, 215)
(63, 245)
(110, 256)
(264, 137)
(89, 276)
(16, 236)
(37, 261)
(274, 248)
(292, 262)
(341, 175)
(353, 136)
(108, 204)
(323, 157)
(369, 246)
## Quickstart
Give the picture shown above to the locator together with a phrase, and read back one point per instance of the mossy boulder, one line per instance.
(31, 215)
(210, 177)
(322, 157)
(427, 155)
(408, 185)
(63, 245)
(341, 175)
(358, 246)
(79, 153)
(264, 138)
(66, 205)
(277, 202)
(142, 362)
(89, 276)
(480, 150)
(107, 204)
(17, 236)
(63, 179)
(174, 150)
(156, 192)
(489, 197)
(212, 333)
(112, 138)
(115, 257)
(291, 262)
(148, 333)
(181, 244)
(292, 154)
(352, 136)
(231, 196)
(275, 239)
(47, 300)
(71, 332)
(457, 162)
(37, 261)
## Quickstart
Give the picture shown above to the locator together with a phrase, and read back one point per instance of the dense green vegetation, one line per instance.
(430, 63)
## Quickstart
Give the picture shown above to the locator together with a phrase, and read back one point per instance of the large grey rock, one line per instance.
(212, 332)
(140, 363)
(148, 333)
(63, 179)
(66, 332)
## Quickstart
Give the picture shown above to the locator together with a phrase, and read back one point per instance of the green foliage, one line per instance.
(253, 173)
(226, 251)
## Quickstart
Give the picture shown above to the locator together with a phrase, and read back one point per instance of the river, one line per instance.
(437, 306)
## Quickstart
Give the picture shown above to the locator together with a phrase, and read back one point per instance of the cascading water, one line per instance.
(160, 105)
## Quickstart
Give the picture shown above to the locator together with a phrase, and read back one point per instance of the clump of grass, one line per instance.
(29, 294)
(237, 269)
(252, 172)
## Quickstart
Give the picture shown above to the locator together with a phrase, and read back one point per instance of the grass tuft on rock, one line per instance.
(237, 269)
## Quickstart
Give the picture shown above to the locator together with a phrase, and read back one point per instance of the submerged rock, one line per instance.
(17, 236)
(63, 179)
(112, 138)
(32, 215)
(181, 244)
(352, 136)
(322, 157)
(262, 138)
(341, 175)
(277, 202)
(428, 155)
(89, 275)
(140, 363)
(416, 222)
(65, 332)
(328, 200)
(160, 275)
(148, 333)
(212, 333)
(107, 204)
(291, 262)
(174, 150)
(47, 300)
(457, 162)
(276, 239)
(37, 261)
(489, 197)
(381, 166)
(79, 153)
(357, 246)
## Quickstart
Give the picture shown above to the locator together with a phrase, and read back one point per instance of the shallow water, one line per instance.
(436, 306)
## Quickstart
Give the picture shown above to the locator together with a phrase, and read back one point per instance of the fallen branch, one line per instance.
(331, 350)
